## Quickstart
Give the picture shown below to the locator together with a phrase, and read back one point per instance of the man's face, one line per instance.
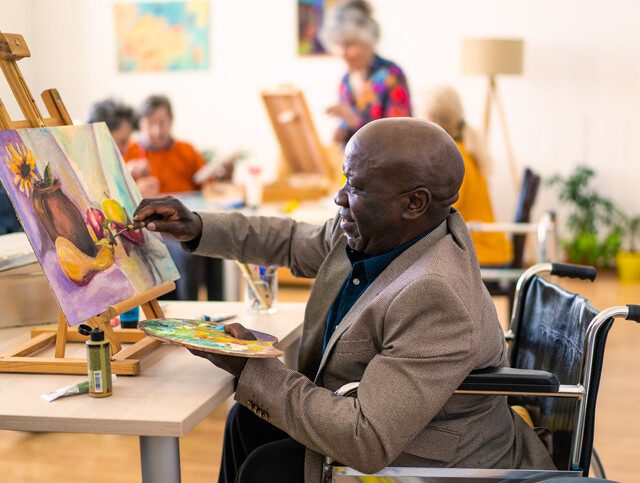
(156, 128)
(370, 206)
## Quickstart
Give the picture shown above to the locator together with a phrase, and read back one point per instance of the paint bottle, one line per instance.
(98, 362)
(130, 318)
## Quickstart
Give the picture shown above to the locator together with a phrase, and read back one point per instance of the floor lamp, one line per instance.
(492, 57)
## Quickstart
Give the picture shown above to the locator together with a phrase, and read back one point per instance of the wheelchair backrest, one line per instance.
(550, 336)
(526, 199)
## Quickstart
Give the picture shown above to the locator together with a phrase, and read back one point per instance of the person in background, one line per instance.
(173, 163)
(8, 220)
(122, 122)
(373, 87)
(443, 106)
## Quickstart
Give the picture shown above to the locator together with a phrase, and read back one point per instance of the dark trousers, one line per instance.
(194, 271)
(255, 451)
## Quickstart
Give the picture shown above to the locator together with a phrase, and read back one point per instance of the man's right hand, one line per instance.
(168, 215)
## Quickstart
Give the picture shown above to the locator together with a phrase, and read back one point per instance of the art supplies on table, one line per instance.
(210, 337)
(218, 319)
(80, 388)
(262, 286)
(98, 361)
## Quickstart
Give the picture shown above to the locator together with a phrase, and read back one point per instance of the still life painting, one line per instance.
(75, 199)
(162, 36)
(210, 337)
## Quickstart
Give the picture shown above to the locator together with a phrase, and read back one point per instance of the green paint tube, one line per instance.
(80, 388)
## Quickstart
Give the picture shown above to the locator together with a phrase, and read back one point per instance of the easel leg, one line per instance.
(109, 334)
(513, 168)
(160, 459)
(61, 335)
(486, 118)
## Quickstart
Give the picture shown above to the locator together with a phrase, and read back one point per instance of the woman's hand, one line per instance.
(345, 112)
(168, 215)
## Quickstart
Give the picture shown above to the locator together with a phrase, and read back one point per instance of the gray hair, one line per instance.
(349, 20)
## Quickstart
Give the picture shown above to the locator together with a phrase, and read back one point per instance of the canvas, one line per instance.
(209, 337)
(72, 192)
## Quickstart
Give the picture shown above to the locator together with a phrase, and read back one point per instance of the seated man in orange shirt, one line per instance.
(172, 163)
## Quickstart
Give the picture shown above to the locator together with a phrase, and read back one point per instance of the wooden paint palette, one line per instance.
(210, 337)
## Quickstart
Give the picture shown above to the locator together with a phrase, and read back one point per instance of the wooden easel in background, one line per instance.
(124, 361)
(310, 170)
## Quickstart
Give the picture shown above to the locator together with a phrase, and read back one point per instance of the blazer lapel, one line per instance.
(325, 290)
(386, 278)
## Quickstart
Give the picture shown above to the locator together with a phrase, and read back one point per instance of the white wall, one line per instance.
(576, 102)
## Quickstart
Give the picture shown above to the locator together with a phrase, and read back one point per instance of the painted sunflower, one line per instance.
(22, 163)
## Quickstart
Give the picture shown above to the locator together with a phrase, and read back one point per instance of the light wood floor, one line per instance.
(71, 458)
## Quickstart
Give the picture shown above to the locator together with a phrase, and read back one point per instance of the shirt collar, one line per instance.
(375, 265)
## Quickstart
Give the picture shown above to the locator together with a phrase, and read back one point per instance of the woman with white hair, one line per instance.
(443, 106)
(373, 87)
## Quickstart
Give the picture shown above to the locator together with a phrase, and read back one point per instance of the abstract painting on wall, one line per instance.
(162, 36)
(310, 16)
(73, 193)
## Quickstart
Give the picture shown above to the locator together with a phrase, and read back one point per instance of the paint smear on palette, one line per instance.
(209, 337)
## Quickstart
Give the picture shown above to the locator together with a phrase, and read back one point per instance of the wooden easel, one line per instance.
(124, 361)
(303, 154)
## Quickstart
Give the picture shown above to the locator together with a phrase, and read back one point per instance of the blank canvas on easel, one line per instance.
(72, 191)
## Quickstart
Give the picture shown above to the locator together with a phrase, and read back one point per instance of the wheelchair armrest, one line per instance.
(509, 379)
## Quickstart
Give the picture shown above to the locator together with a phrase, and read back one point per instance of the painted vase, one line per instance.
(60, 217)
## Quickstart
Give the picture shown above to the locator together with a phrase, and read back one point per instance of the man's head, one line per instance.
(156, 118)
(402, 175)
(120, 119)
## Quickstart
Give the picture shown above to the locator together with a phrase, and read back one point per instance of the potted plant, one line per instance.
(628, 259)
(594, 222)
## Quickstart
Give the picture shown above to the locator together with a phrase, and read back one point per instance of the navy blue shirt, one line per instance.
(364, 270)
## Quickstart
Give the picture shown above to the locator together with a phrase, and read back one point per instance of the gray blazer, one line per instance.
(411, 339)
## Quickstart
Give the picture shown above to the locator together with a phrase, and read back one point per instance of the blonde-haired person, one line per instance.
(373, 87)
(443, 106)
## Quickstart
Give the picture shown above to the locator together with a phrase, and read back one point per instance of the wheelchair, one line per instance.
(556, 350)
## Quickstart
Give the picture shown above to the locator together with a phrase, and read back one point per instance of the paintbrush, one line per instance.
(130, 227)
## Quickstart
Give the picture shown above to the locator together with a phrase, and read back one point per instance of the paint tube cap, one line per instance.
(97, 335)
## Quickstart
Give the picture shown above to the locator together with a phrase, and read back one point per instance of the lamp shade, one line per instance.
(492, 56)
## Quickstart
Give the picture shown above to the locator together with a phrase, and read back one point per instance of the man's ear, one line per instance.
(418, 203)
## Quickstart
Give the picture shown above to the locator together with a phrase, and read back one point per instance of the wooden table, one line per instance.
(174, 391)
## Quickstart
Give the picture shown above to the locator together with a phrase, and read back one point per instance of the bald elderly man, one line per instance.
(398, 304)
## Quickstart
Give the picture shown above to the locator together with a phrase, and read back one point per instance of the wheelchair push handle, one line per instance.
(634, 313)
(583, 272)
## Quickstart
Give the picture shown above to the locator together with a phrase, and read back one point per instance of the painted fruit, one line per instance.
(114, 211)
(95, 220)
(134, 236)
(77, 266)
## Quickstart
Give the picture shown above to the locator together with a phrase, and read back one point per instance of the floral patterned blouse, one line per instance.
(385, 94)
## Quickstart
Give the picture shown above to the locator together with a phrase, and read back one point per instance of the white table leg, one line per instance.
(160, 459)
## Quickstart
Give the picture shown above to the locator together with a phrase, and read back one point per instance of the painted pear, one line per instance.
(114, 211)
(79, 267)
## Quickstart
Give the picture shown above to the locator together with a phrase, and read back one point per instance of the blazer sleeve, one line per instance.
(426, 353)
(267, 241)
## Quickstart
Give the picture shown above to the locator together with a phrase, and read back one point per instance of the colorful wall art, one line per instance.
(310, 17)
(210, 337)
(72, 193)
(162, 36)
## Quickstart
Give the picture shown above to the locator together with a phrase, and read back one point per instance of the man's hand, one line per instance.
(168, 215)
(232, 364)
